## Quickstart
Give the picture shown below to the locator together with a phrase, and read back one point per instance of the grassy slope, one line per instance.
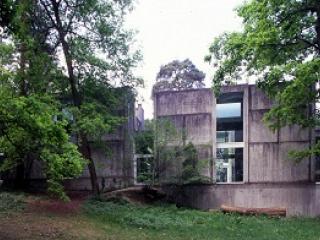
(106, 220)
(171, 223)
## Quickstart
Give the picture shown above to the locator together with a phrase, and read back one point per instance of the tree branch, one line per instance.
(48, 13)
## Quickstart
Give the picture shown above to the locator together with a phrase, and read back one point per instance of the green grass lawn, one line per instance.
(169, 222)
(114, 221)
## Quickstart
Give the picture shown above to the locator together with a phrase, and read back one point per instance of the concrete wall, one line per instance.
(268, 158)
(271, 179)
(265, 152)
(190, 112)
(298, 199)
(113, 156)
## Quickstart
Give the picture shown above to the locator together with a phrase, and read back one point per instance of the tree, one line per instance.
(179, 75)
(88, 38)
(29, 129)
(280, 47)
(85, 29)
(144, 140)
(29, 133)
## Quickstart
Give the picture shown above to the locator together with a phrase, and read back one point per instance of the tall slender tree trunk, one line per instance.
(85, 148)
(19, 182)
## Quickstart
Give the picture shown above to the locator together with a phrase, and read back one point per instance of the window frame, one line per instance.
(232, 97)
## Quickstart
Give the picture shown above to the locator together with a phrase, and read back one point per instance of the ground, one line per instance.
(38, 218)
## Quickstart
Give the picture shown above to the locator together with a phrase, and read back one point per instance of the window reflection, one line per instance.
(228, 110)
(229, 165)
(229, 158)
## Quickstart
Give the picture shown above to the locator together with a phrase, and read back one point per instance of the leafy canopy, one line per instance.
(279, 47)
(62, 56)
(29, 132)
(179, 75)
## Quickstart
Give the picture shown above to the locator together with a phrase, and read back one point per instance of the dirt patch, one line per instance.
(56, 206)
(36, 226)
(136, 195)
(49, 219)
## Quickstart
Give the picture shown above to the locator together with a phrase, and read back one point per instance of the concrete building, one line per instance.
(139, 118)
(113, 154)
(248, 165)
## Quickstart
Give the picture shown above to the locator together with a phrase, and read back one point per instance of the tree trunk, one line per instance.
(272, 212)
(20, 169)
(85, 146)
(19, 177)
(86, 152)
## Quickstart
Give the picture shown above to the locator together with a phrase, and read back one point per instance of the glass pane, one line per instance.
(144, 170)
(226, 136)
(229, 165)
(228, 110)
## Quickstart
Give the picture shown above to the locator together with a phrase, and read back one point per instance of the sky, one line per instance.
(177, 29)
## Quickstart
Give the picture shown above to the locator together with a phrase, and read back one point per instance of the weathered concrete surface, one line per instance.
(269, 163)
(113, 155)
(265, 151)
(271, 179)
(258, 132)
(113, 158)
(183, 102)
(298, 199)
(190, 112)
(268, 158)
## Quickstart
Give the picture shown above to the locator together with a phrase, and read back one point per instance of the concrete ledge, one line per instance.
(300, 199)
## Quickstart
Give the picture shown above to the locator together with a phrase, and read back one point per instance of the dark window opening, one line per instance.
(229, 159)
(229, 165)
(229, 118)
(144, 169)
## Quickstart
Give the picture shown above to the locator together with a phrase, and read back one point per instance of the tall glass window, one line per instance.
(229, 138)
(229, 165)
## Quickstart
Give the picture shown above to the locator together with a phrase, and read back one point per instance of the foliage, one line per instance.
(179, 75)
(279, 48)
(76, 52)
(189, 169)
(28, 133)
(176, 161)
(144, 140)
(30, 80)
(169, 222)
(165, 154)
(97, 53)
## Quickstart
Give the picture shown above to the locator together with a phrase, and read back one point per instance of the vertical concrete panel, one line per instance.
(259, 132)
(198, 128)
(190, 112)
(294, 133)
(259, 99)
(292, 171)
(246, 158)
(270, 163)
(263, 162)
